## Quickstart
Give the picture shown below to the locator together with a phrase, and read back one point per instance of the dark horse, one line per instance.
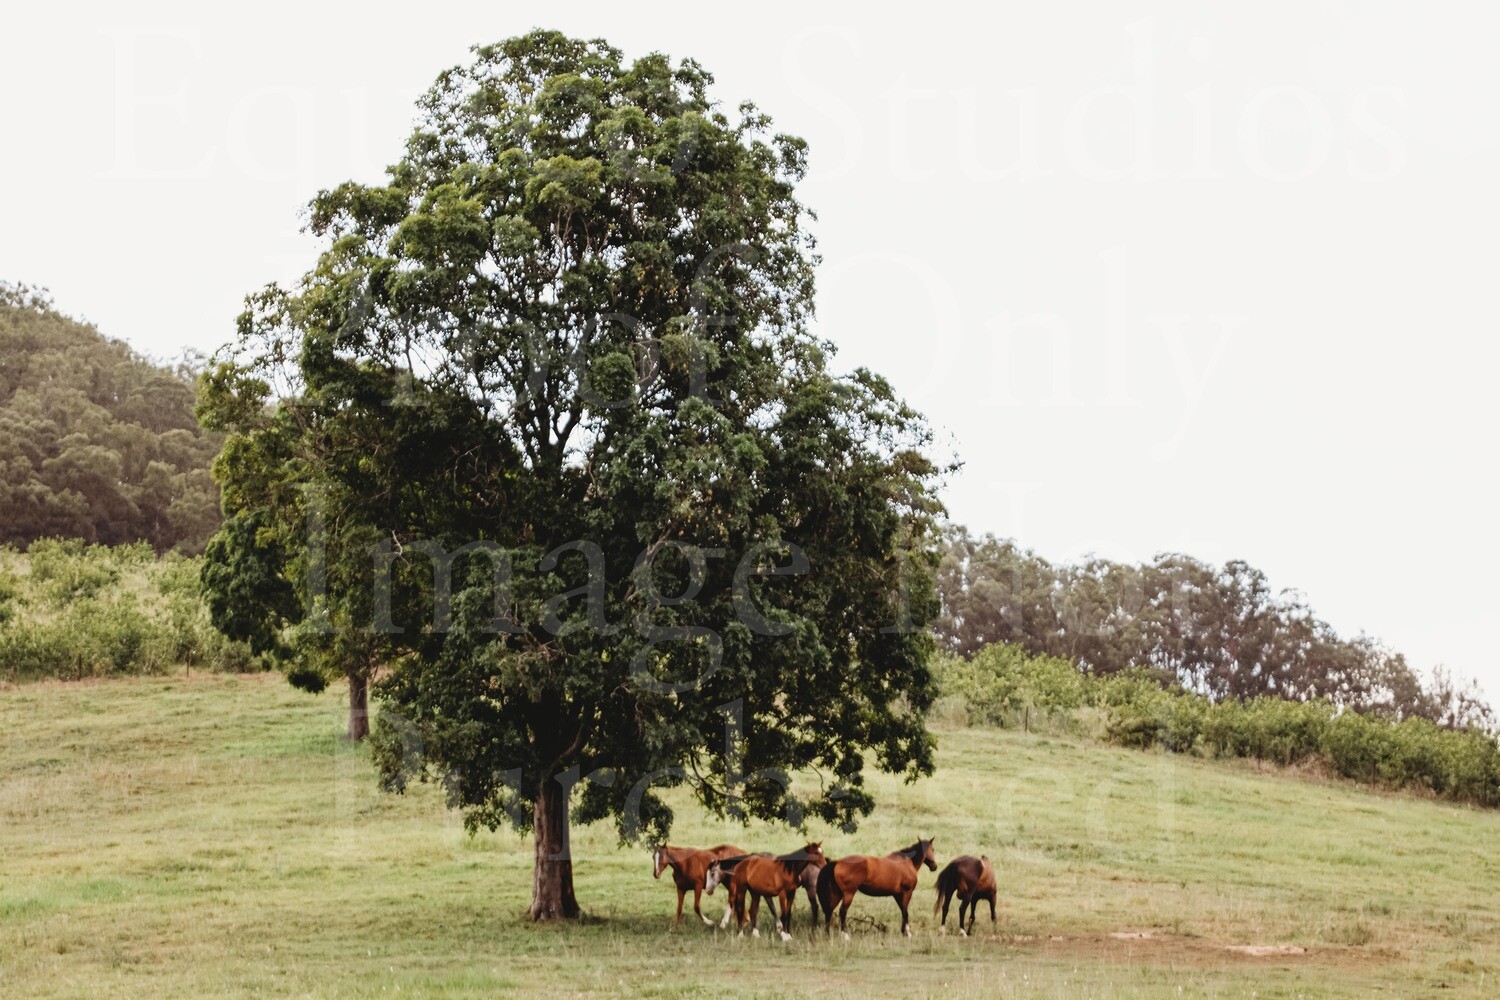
(972, 879)
(893, 875)
(770, 878)
(689, 871)
(721, 870)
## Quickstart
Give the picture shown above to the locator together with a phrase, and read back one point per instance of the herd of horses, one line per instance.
(775, 879)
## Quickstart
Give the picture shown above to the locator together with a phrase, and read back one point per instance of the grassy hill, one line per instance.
(215, 836)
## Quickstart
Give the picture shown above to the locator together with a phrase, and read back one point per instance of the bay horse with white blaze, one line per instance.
(971, 879)
(689, 871)
(893, 875)
(770, 878)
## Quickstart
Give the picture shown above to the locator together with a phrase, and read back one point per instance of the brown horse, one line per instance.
(689, 871)
(721, 870)
(893, 875)
(972, 879)
(770, 878)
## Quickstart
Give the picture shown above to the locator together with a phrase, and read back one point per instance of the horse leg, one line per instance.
(754, 914)
(680, 894)
(903, 901)
(728, 910)
(786, 918)
(947, 899)
(844, 914)
(966, 906)
(992, 908)
(728, 903)
(697, 907)
(737, 900)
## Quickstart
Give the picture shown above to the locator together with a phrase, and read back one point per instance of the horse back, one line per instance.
(874, 876)
(762, 874)
(967, 874)
(986, 875)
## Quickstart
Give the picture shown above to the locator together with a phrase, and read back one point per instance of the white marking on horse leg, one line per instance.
(962, 932)
(943, 929)
(906, 930)
(785, 936)
(706, 921)
(846, 935)
(755, 932)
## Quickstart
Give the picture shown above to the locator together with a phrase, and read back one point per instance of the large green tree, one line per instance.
(545, 434)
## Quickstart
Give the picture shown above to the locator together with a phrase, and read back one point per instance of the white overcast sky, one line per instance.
(1169, 276)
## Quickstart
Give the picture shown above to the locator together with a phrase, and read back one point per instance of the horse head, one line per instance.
(658, 860)
(925, 854)
(713, 877)
(814, 854)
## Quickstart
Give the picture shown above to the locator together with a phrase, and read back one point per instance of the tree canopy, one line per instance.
(545, 431)
(96, 442)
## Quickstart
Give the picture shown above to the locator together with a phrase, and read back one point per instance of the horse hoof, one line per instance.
(943, 929)
(846, 935)
(962, 932)
(755, 932)
(706, 922)
(785, 936)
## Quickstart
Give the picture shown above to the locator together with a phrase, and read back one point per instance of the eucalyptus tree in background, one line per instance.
(544, 433)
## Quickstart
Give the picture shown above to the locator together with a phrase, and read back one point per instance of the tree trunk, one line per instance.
(359, 706)
(552, 878)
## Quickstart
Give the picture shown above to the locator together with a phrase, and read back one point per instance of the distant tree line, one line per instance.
(1218, 631)
(96, 442)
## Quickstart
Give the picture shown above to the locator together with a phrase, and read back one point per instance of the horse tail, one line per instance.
(826, 885)
(947, 883)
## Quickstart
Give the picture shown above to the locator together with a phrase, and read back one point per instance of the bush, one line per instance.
(1001, 683)
(94, 611)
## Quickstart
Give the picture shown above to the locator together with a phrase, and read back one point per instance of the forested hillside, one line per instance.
(96, 442)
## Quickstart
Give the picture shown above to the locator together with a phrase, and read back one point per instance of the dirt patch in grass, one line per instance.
(1162, 948)
(1261, 950)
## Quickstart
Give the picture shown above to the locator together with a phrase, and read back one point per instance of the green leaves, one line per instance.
(551, 386)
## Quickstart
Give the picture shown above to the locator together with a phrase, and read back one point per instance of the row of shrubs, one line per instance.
(69, 610)
(1004, 686)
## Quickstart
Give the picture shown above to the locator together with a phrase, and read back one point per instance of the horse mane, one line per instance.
(791, 858)
(674, 856)
(912, 853)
